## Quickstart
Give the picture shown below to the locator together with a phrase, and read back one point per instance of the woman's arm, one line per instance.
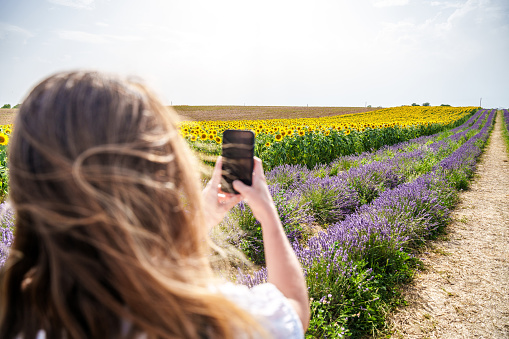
(283, 268)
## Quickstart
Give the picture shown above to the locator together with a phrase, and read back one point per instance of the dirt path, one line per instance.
(464, 292)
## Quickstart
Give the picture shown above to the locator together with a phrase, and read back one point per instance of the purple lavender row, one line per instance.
(458, 159)
(398, 217)
(6, 228)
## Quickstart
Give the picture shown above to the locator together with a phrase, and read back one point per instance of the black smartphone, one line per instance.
(238, 162)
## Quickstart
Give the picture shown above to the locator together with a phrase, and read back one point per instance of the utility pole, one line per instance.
(480, 101)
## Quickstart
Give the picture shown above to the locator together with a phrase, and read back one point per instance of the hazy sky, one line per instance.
(315, 52)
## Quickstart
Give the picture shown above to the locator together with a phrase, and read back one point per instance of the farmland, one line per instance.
(7, 115)
(358, 196)
(374, 210)
(204, 113)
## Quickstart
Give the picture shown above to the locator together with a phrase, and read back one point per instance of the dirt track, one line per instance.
(464, 291)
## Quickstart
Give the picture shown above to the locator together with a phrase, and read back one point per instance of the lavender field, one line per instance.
(357, 223)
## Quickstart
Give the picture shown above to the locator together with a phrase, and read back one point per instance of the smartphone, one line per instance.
(237, 155)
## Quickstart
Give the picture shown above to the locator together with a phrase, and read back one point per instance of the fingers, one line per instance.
(258, 168)
(242, 188)
(216, 174)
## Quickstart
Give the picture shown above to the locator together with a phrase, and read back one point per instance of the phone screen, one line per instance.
(237, 154)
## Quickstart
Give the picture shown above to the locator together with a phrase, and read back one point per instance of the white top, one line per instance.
(269, 306)
(265, 302)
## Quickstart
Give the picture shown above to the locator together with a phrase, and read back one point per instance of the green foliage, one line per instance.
(6, 106)
(324, 323)
(414, 104)
(352, 299)
(426, 104)
(17, 106)
(505, 129)
(4, 173)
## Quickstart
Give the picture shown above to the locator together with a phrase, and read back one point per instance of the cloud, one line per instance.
(445, 4)
(461, 11)
(78, 4)
(390, 3)
(92, 38)
(82, 37)
(7, 29)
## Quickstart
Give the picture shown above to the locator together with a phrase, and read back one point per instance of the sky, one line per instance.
(268, 52)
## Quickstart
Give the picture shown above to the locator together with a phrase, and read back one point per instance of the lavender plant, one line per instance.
(7, 230)
(330, 199)
(294, 214)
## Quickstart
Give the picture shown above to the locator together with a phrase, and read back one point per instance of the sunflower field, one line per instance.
(312, 141)
(5, 132)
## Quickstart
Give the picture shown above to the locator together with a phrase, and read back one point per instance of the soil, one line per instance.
(464, 290)
(7, 115)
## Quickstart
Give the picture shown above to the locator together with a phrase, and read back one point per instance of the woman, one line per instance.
(112, 228)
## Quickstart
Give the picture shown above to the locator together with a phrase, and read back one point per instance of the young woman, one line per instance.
(112, 228)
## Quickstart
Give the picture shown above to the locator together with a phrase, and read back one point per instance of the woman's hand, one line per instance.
(216, 202)
(257, 195)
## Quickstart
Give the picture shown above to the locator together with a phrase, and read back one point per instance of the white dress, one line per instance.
(265, 302)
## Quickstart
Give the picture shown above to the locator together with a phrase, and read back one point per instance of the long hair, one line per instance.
(110, 240)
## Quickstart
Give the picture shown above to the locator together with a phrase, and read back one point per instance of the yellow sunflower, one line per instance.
(279, 137)
(4, 139)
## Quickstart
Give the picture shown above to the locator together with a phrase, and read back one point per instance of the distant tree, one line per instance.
(17, 106)
(426, 104)
(6, 106)
(414, 104)
(446, 105)
(369, 105)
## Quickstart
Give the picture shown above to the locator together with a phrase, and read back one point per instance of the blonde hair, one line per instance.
(109, 227)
